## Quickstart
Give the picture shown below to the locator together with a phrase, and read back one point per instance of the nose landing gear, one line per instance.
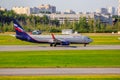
(85, 45)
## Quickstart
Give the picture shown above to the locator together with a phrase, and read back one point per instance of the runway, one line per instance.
(57, 71)
(37, 48)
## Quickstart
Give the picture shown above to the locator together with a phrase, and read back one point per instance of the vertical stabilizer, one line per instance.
(20, 33)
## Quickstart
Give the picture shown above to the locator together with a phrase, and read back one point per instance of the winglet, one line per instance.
(53, 37)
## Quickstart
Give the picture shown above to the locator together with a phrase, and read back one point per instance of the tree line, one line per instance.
(45, 24)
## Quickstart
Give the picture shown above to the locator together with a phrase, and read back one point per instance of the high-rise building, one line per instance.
(111, 10)
(119, 8)
(102, 11)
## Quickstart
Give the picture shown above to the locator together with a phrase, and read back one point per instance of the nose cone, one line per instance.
(90, 40)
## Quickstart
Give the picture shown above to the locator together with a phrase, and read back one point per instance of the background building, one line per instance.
(21, 10)
(47, 8)
(102, 11)
(119, 8)
(34, 10)
(69, 17)
(69, 12)
(111, 10)
(104, 18)
(103, 14)
(106, 11)
(2, 9)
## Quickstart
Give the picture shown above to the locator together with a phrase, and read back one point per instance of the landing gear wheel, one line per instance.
(51, 45)
(54, 45)
(85, 45)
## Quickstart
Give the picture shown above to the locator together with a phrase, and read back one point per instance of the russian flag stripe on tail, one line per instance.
(16, 24)
(20, 33)
(18, 28)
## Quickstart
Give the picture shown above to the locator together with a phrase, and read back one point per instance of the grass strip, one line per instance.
(59, 59)
(97, 40)
(63, 77)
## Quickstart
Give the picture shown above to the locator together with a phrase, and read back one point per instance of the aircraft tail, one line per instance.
(20, 33)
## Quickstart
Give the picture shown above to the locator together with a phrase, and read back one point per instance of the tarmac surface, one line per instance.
(38, 48)
(58, 71)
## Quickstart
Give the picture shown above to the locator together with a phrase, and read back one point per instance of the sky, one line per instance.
(62, 5)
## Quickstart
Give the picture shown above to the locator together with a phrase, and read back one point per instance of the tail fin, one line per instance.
(19, 30)
(20, 33)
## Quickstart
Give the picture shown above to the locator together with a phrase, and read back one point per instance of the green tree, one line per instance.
(45, 19)
(83, 25)
(91, 25)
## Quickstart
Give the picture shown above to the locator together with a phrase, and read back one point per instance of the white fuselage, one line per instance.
(71, 38)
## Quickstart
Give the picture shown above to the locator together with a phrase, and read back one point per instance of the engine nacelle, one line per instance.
(65, 43)
(59, 43)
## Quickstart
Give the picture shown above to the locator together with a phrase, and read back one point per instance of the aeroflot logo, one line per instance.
(18, 28)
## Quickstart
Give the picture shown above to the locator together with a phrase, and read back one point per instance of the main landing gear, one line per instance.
(51, 45)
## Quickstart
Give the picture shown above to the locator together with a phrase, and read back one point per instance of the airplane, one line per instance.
(63, 40)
